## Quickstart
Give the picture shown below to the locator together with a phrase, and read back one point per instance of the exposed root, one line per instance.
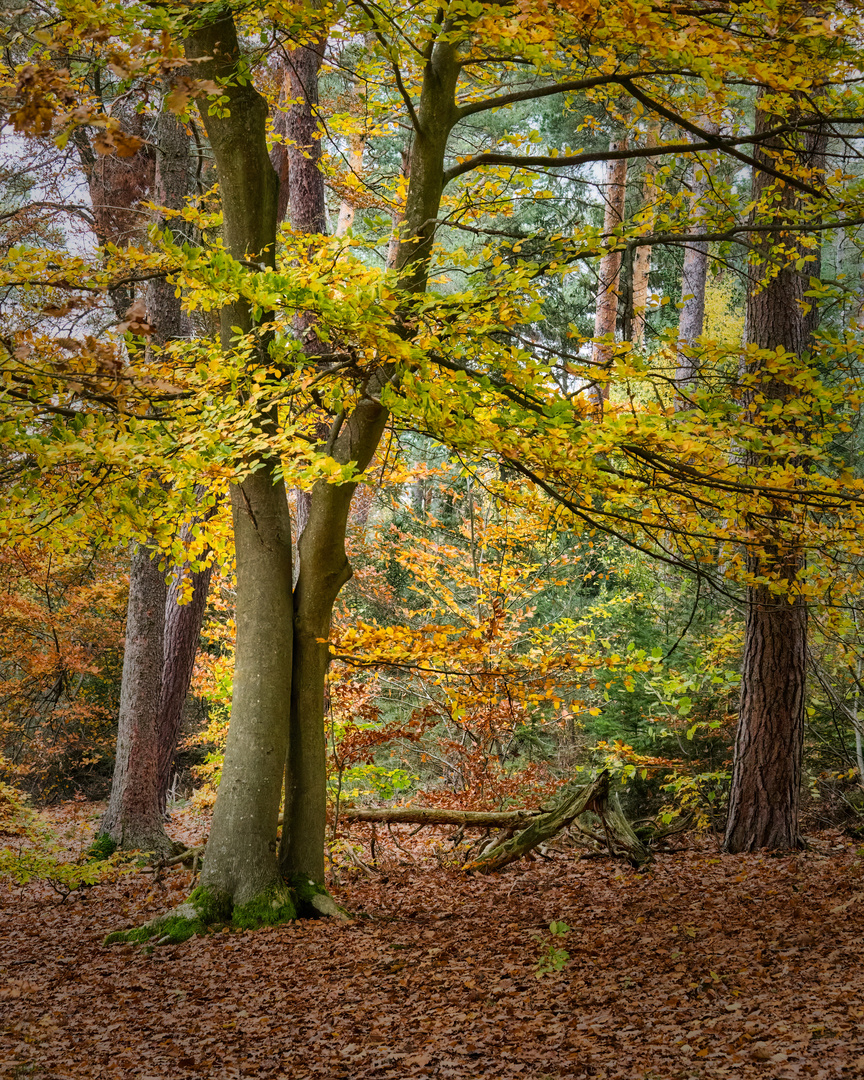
(196, 915)
(206, 910)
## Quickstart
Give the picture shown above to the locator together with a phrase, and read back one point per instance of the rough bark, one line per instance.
(172, 184)
(182, 630)
(133, 819)
(137, 804)
(766, 776)
(606, 313)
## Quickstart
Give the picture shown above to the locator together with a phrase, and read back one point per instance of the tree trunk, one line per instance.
(694, 278)
(642, 258)
(241, 869)
(182, 630)
(766, 775)
(133, 819)
(606, 313)
(153, 733)
(241, 851)
(324, 566)
(166, 316)
(766, 780)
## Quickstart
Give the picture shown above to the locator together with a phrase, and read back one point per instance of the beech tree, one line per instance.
(307, 332)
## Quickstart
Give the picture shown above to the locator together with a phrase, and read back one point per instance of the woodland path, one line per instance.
(702, 967)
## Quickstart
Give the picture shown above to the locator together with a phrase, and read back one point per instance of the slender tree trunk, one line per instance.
(766, 775)
(694, 278)
(324, 566)
(133, 819)
(606, 313)
(642, 259)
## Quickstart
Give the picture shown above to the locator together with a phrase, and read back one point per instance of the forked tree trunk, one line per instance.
(766, 776)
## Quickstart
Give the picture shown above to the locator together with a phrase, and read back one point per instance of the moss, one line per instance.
(207, 910)
(203, 908)
(313, 900)
(275, 905)
(103, 847)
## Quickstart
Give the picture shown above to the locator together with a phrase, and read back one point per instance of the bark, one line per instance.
(172, 184)
(642, 259)
(182, 630)
(132, 818)
(694, 278)
(241, 850)
(766, 775)
(324, 566)
(117, 186)
(594, 797)
(136, 819)
(241, 864)
(606, 314)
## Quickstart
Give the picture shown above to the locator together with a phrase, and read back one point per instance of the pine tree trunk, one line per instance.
(153, 733)
(133, 819)
(766, 775)
(182, 630)
(763, 807)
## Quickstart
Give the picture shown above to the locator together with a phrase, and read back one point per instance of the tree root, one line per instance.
(206, 910)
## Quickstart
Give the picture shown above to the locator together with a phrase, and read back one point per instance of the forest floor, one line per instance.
(701, 966)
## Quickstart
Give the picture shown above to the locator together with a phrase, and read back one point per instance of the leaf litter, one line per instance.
(702, 966)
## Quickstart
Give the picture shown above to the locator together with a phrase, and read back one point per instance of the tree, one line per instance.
(162, 631)
(766, 779)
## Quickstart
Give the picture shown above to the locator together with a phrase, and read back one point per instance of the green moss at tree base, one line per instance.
(276, 905)
(313, 901)
(299, 897)
(200, 911)
(103, 847)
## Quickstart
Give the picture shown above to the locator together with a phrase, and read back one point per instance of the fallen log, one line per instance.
(535, 826)
(594, 797)
(434, 815)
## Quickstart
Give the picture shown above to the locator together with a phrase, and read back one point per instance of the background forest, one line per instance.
(552, 351)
